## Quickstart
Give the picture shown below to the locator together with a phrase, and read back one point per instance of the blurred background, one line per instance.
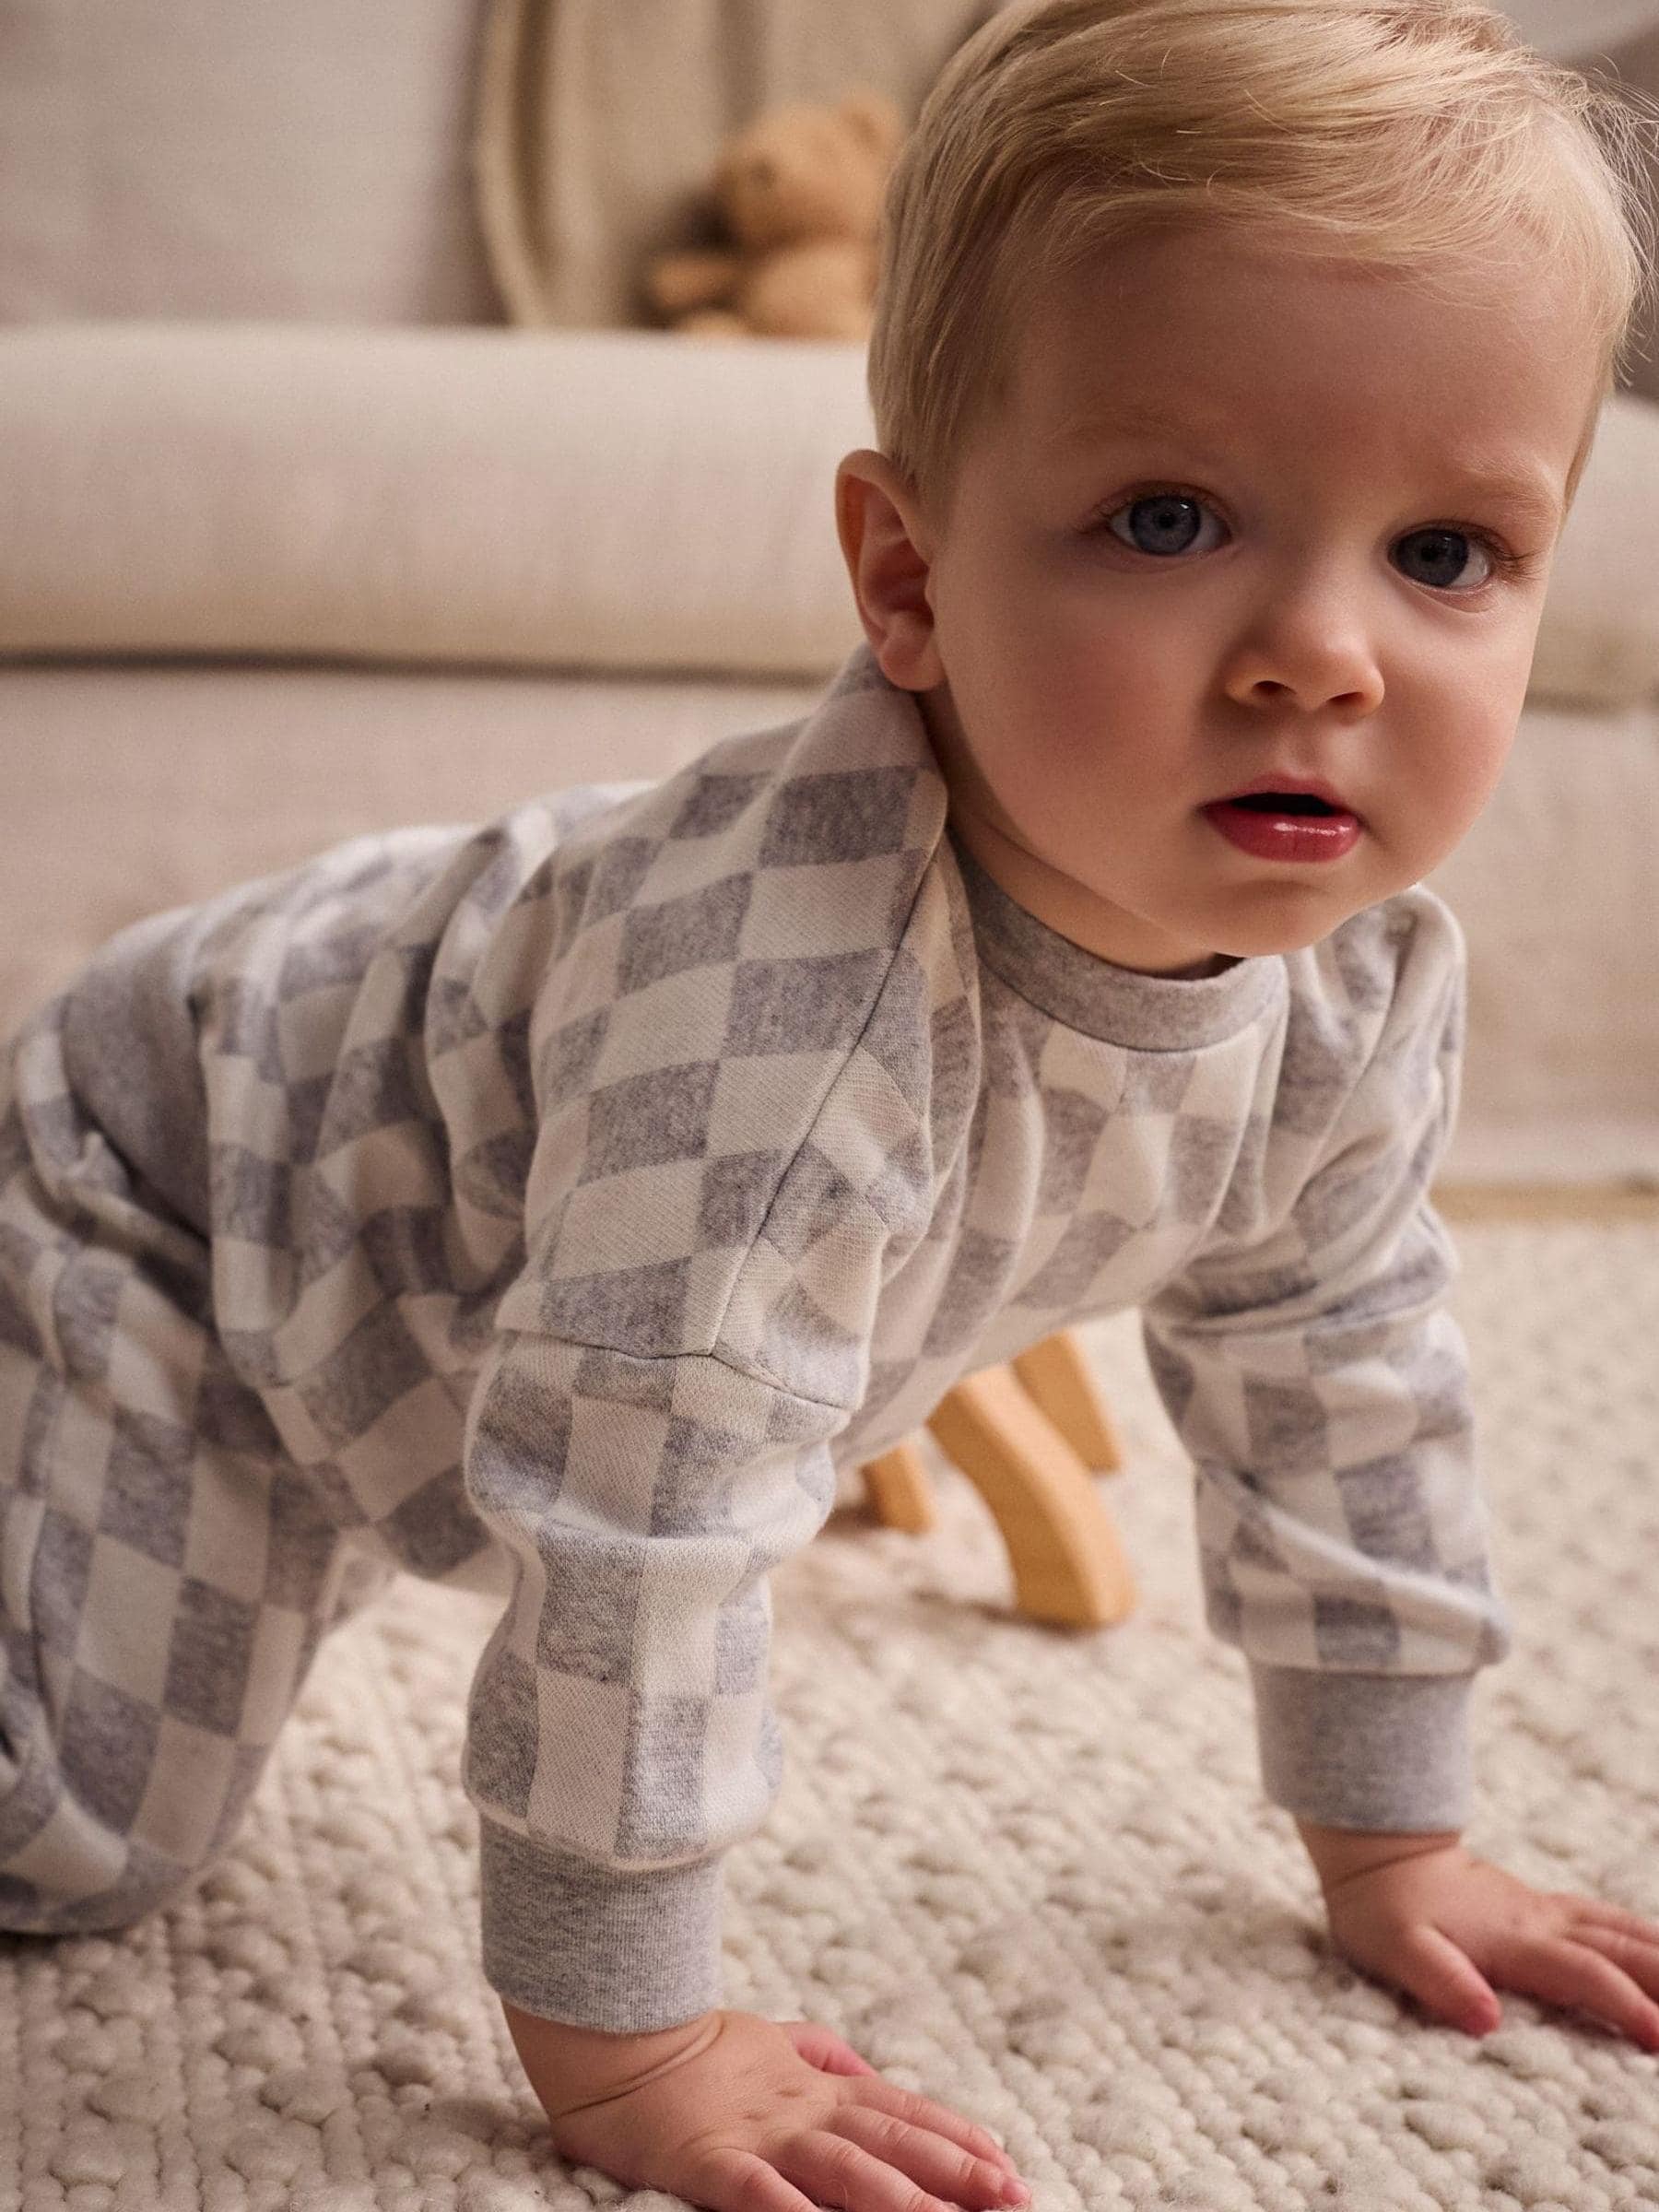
(408, 406)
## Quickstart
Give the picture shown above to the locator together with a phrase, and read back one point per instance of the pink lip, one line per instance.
(1299, 836)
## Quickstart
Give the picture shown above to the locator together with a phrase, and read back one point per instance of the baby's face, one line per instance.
(1296, 573)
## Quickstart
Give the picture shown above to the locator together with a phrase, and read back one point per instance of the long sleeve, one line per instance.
(1320, 1385)
(619, 1733)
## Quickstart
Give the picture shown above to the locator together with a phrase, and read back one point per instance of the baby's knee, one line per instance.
(73, 1901)
(67, 1867)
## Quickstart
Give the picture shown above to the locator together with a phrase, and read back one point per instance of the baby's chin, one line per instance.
(1211, 935)
(1270, 937)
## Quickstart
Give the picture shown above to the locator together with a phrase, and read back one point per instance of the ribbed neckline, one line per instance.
(1120, 1006)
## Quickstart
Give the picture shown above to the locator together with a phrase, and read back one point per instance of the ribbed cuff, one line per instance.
(1368, 1751)
(570, 1941)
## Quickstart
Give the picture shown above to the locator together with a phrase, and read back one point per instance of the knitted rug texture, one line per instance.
(1027, 1870)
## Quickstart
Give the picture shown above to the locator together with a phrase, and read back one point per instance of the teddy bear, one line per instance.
(800, 191)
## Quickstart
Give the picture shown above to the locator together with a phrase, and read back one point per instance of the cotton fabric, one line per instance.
(584, 1191)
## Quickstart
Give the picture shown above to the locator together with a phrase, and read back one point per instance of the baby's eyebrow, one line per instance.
(1094, 424)
(1511, 483)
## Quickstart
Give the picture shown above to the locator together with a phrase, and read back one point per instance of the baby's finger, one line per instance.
(833, 2170)
(1638, 1958)
(951, 2172)
(1597, 1916)
(728, 2178)
(1447, 1982)
(921, 2111)
(1639, 1963)
(1564, 1972)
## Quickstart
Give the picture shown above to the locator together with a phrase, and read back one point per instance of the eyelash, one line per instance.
(1504, 562)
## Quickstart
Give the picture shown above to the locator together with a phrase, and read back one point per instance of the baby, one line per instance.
(585, 1191)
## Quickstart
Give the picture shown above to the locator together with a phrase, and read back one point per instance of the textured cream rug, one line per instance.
(1029, 1871)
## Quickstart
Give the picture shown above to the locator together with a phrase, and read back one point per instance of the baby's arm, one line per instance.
(1321, 1382)
(619, 1740)
(1426, 1916)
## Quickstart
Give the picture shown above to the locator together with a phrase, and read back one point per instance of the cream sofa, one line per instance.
(300, 540)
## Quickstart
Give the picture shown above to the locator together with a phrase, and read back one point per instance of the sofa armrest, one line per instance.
(589, 500)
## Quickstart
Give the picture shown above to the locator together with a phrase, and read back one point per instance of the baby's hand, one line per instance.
(1443, 1926)
(758, 2115)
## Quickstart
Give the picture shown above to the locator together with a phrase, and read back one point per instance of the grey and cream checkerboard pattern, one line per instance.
(575, 1196)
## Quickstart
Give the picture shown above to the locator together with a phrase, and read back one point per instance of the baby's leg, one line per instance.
(166, 1576)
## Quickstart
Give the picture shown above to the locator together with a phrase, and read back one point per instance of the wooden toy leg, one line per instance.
(901, 1492)
(1059, 1377)
(1068, 1565)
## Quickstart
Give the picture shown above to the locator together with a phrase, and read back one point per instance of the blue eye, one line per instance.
(1452, 549)
(1164, 522)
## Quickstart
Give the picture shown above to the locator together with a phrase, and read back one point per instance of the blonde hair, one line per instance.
(1396, 133)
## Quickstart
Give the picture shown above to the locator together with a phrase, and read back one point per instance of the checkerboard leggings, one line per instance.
(166, 1575)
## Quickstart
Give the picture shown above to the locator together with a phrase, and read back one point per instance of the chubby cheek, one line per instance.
(1097, 688)
(1461, 768)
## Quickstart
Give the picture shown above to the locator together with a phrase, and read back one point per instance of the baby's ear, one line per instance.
(875, 514)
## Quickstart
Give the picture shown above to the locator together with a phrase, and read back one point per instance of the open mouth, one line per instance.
(1283, 801)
